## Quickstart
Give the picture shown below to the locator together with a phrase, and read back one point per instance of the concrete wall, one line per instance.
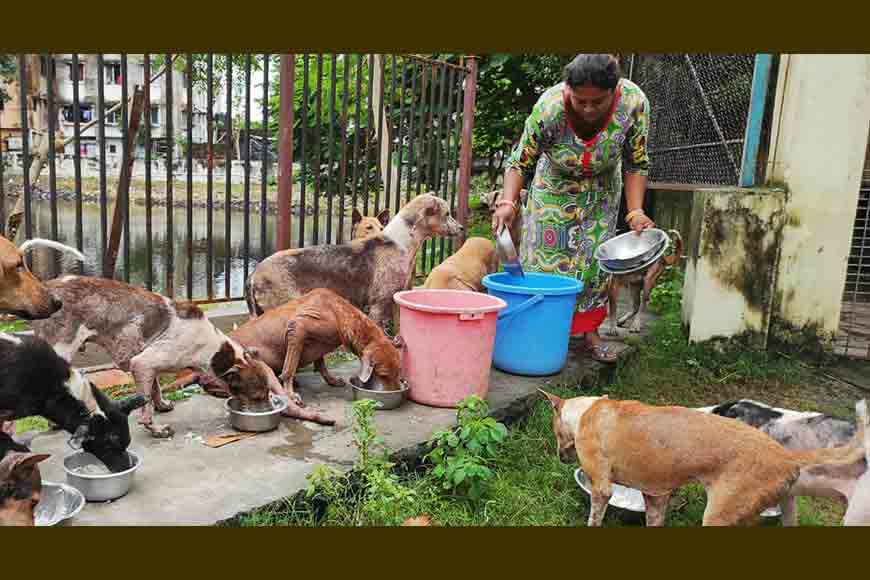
(818, 140)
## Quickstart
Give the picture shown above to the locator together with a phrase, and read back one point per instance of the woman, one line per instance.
(579, 139)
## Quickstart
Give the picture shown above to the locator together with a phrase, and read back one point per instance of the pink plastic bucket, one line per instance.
(449, 337)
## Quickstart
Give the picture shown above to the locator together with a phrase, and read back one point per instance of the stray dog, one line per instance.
(147, 334)
(364, 272)
(34, 380)
(20, 483)
(660, 449)
(465, 269)
(801, 431)
(365, 226)
(640, 285)
(21, 293)
(304, 330)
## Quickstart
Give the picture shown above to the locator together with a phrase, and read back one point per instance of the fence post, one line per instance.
(285, 151)
(465, 154)
(752, 137)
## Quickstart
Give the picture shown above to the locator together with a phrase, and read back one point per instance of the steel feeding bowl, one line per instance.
(87, 474)
(255, 420)
(59, 502)
(387, 399)
(630, 250)
(628, 498)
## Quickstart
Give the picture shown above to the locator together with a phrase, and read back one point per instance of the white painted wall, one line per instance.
(819, 137)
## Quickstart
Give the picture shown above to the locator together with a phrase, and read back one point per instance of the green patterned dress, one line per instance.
(574, 196)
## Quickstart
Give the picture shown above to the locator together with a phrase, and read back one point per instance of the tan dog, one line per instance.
(465, 269)
(366, 226)
(660, 449)
(21, 293)
(640, 285)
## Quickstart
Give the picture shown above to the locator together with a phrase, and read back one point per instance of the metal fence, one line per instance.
(192, 177)
(853, 339)
(700, 110)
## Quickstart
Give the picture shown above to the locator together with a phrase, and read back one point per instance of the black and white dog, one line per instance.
(34, 380)
(802, 431)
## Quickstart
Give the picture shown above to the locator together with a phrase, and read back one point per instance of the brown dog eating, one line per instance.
(465, 269)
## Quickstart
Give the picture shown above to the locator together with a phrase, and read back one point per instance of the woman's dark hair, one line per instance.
(601, 70)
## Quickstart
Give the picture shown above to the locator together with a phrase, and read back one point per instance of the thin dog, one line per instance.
(465, 269)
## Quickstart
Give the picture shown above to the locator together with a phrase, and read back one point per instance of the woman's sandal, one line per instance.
(601, 352)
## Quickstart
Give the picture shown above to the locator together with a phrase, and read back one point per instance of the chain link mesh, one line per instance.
(699, 106)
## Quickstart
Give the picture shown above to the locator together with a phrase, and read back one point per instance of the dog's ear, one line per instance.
(384, 217)
(399, 342)
(432, 205)
(366, 368)
(17, 465)
(554, 400)
(130, 404)
(355, 217)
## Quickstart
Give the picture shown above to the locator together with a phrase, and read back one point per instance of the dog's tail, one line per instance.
(855, 450)
(678, 248)
(39, 242)
(253, 308)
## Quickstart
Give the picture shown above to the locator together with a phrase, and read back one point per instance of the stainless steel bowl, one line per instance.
(507, 253)
(257, 421)
(629, 250)
(628, 498)
(59, 503)
(387, 399)
(99, 487)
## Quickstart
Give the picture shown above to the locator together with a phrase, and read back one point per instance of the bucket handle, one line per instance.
(509, 312)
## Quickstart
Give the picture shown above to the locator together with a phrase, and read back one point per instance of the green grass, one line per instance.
(13, 325)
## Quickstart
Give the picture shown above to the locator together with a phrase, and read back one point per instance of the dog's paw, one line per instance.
(160, 431)
(611, 330)
(296, 399)
(163, 406)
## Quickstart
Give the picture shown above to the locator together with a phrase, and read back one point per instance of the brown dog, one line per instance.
(640, 285)
(21, 293)
(660, 449)
(465, 269)
(20, 486)
(365, 226)
(303, 331)
(364, 272)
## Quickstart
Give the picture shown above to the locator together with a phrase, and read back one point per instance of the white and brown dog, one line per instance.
(659, 449)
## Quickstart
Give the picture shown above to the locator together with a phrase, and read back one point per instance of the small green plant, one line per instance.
(12, 325)
(462, 455)
(667, 296)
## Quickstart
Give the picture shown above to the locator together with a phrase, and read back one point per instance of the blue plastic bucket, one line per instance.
(532, 333)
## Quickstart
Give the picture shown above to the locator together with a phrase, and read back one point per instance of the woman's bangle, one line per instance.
(633, 214)
(509, 202)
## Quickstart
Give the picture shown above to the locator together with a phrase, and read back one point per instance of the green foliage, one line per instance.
(462, 455)
(8, 72)
(667, 296)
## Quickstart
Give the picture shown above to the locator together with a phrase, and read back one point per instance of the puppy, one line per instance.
(465, 269)
(640, 285)
(364, 272)
(660, 449)
(20, 483)
(365, 226)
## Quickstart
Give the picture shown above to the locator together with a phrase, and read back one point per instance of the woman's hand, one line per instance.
(640, 222)
(503, 216)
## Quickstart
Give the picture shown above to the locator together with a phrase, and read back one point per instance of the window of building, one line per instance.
(113, 73)
(155, 115)
(81, 76)
(113, 148)
(114, 117)
(85, 114)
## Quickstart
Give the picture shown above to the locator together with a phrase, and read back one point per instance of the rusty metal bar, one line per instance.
(428, 248)
(465, 152)
(169, 136)
(460, 78)
(2, 190)
(380, 177)
(343, 127)
(51, 75)
(149, 247)
(264, 158)
(247, 210)
(317, 158)
(330, 189)
(25, 151)
(101, 135)
(122, 197)
(124, 147)
(411, 116)
(399, 140)
(388, 185)
(357, 129)
(77, 160)
(420, 148)
(369, 121)
(306, 95)
(228, 180)
(209, 192)
(285, 150)
(189, 75)
(443, 124)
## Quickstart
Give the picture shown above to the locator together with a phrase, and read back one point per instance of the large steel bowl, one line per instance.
(628, 498)
(256, 421)
(59, 502)
(99, 487)
(630, 250)
(387, 399)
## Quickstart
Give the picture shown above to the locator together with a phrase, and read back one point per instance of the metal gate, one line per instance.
(853, 339)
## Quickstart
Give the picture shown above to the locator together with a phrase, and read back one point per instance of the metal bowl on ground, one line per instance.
(387, 399)
(255, 420)
(631, 499)
(86, 473)
(59, 502)
(629, 250)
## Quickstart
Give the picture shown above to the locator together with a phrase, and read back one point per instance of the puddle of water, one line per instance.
(299, 440)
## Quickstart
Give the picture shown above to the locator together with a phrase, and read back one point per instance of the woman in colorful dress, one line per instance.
(579, 139)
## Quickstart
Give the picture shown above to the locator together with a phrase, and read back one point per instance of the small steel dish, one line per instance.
(628, 498)
(102, 487)
(641, 266)
(257, 421)
(59, 503)
(507, 254)
(629, 250)
(387, 399)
